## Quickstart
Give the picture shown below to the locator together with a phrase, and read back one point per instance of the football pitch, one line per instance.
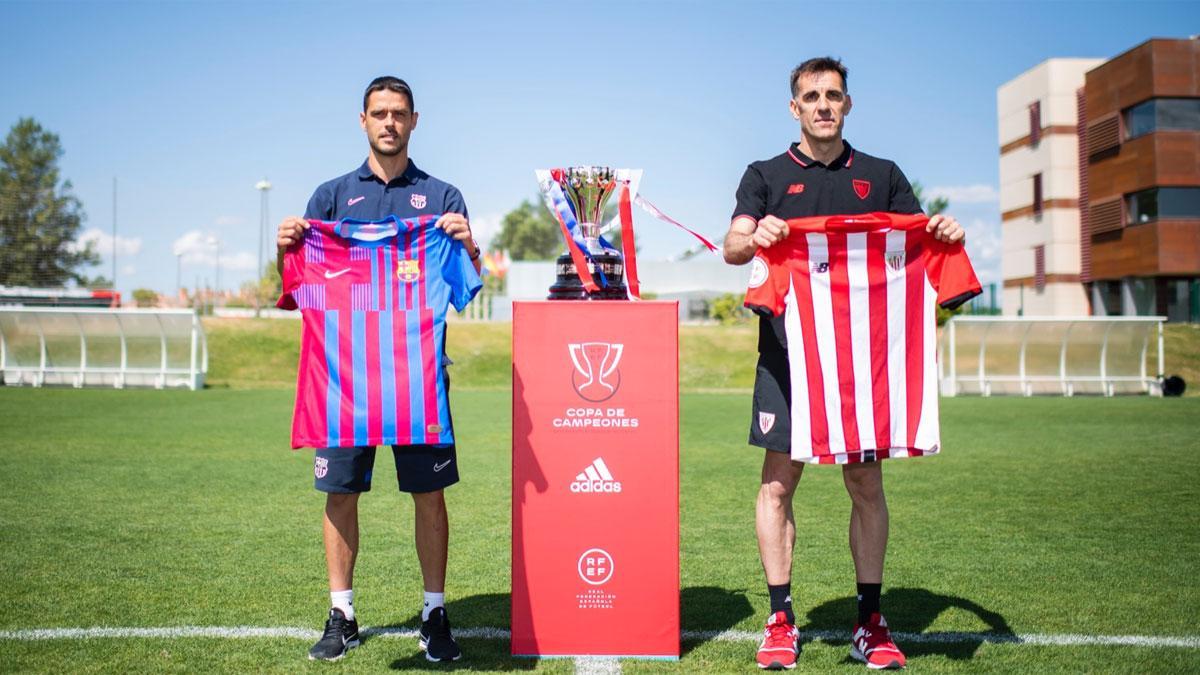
(175, 531)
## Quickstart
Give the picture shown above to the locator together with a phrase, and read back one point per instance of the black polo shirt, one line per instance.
(794, 185)
(362, 195)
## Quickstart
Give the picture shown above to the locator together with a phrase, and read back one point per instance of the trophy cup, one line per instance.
(587, 189)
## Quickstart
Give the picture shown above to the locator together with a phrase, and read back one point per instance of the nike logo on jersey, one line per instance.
(334, 275)
(355, 200)
(439, 467)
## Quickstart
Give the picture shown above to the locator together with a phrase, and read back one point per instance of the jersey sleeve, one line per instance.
(455, 203)
(901, 198)
(751, 195)
(293, 275)
(950, 273)
(767, 289)
(461, 276)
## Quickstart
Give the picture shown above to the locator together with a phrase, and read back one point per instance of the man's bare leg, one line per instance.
(868, 520)
(432, 538)
(341, 539)
(774, 521)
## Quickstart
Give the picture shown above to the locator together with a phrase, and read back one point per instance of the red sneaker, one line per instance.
(780, 645)
(872, 644)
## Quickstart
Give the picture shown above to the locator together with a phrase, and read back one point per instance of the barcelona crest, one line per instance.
(408, 270)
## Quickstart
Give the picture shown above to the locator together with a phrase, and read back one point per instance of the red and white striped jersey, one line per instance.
(858, 295)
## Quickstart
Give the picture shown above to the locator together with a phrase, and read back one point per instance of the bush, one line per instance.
(728, 309)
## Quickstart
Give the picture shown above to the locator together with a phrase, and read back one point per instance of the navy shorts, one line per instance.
(419, 468)
(771, 424)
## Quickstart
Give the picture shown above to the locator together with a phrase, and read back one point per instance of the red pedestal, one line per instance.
(595, 479)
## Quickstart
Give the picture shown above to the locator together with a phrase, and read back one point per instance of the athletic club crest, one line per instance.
(895, 260)
(766, 421)
(417, 201)
(408, 270)
(862, 188)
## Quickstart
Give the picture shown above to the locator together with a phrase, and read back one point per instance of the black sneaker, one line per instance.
(341, 635)
(436, 640)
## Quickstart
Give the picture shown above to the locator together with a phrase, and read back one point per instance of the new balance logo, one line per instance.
(596, 478)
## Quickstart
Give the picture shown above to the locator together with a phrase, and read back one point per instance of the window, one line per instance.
(1170, 202)
(1037, 194)
(1035, 122)
(1181, 114)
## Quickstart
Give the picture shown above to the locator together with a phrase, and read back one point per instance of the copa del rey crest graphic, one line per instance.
(595, 377)
(417, 201)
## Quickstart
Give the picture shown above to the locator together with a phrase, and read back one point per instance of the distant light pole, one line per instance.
(263, 186)
(178, 272)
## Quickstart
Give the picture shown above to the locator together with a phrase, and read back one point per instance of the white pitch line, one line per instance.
(486, 633)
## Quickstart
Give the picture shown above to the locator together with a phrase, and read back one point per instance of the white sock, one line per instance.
(343, 600)
(432, 602)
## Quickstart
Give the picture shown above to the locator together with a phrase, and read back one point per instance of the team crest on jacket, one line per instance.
(417, 201)
(862, 188)
(766, 421)
(408, 270)
(895, 260)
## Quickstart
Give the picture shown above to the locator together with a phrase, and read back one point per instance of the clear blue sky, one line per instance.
(189, 104)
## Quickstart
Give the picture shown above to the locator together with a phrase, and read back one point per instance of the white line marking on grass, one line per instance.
(486, 633)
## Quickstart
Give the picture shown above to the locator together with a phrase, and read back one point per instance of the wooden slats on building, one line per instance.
(1107, 216)
(1104, 134)
(1039, 268)
(1085, 212)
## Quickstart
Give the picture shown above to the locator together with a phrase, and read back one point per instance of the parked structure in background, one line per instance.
(1100, 185)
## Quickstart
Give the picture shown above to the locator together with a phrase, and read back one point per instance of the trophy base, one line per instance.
(567, 285)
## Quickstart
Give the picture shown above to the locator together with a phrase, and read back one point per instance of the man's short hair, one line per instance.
(821, 64)
(391, 84)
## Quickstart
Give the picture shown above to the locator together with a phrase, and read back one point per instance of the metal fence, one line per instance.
(1050, 355)
(117, 348)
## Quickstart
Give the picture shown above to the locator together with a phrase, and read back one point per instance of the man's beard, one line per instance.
(388, 152)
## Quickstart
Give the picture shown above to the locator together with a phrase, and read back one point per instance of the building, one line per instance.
(1141, 182)
(1039, 190)
(1100, 184)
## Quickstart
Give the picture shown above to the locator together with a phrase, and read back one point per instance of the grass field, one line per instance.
(152, 509)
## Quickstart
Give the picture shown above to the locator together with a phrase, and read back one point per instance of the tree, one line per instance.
(267, 287)
(529, 232)
(933, 206)
(39, 218)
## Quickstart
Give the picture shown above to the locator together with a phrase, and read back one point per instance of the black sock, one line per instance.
(868, 601)
(781, 600)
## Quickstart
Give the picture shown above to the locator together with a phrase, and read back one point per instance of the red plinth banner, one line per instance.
(595, 479)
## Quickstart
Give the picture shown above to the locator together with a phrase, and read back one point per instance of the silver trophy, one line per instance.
(588, 189)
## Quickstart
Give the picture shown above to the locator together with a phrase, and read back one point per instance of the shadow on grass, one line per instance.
(913, 610)
(708, 608)
(479, 653)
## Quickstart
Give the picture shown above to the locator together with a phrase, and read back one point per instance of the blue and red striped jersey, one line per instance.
(373, 297)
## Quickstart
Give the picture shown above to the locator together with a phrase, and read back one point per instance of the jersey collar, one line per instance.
(409, 177)
(844, 160)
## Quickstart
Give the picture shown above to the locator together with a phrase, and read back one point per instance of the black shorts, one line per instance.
(771, 423)
(419, 468)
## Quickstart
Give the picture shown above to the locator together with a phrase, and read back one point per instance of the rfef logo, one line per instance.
(596, 479)
(595, 377)
(595, 566)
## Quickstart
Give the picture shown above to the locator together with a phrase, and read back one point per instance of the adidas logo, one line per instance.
(596, 478)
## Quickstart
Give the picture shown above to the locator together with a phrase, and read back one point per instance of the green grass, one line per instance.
(143, 508)
(255, 354)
